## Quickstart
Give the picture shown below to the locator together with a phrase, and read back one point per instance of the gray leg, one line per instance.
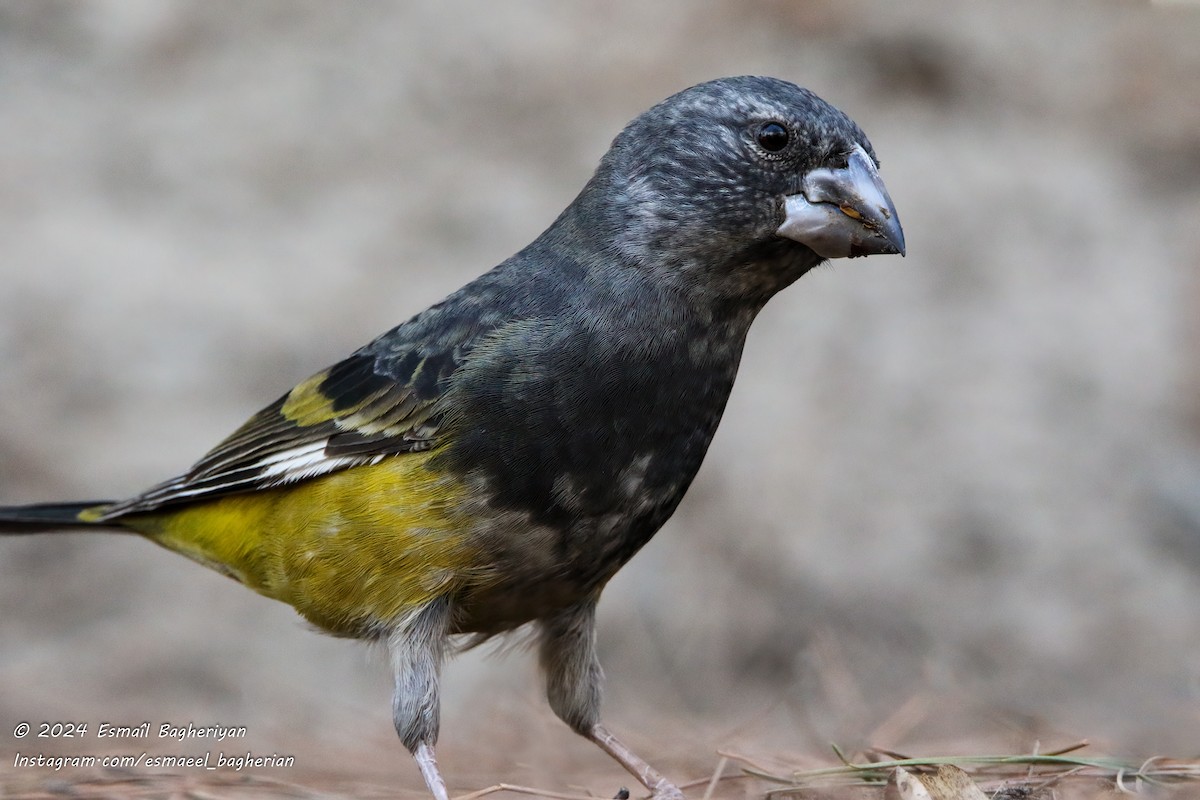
(573, 674)
(417, 646)
(573, 678)
(648, 776)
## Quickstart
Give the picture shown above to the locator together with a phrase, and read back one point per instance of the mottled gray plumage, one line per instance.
(576, 387)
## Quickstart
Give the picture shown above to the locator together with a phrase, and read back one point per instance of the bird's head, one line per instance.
(749, 181)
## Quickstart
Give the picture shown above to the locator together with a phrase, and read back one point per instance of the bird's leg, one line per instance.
(651, 778)
(427, 763)
(573, 679)
(417, 646)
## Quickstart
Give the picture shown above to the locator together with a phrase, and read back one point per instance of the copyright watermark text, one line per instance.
(144, 733)
(143, 730)
(208, 760)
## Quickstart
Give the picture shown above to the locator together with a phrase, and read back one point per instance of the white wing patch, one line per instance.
(278, 469)
(306, 461)
(300, 459)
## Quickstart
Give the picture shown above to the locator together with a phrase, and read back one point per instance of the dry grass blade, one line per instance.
(716, 777)
(1049, 767)
(529, 790)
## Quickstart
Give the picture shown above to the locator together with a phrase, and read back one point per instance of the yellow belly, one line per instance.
(351, 551)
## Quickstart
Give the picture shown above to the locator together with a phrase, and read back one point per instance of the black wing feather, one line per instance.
(358, 411)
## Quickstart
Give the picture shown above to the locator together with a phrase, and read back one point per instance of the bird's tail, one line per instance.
(50, 517)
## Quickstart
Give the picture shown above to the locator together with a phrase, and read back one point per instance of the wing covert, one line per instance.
(358, 411)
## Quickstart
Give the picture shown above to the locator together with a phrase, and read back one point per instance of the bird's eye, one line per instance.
(773, 137)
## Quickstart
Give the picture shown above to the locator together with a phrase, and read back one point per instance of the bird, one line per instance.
(489, 464)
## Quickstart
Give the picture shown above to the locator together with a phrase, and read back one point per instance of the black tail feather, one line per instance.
(47, 517)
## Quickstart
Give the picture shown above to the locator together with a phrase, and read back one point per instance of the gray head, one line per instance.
(740, 185)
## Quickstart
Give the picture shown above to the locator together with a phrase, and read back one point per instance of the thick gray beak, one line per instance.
(844, 212)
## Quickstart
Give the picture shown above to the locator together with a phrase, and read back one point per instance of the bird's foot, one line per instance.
(665, 790)
(660, 788)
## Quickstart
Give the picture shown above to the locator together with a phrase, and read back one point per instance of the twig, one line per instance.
(1153, 770)
(716, 776)
(529, 790)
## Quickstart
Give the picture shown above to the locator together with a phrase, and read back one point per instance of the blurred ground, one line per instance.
(955, 500)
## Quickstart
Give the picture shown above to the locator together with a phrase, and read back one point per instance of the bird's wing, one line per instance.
(359, 411)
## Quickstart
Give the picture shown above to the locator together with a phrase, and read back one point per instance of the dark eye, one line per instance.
(773, 137)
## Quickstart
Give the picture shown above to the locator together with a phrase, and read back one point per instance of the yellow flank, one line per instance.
(350, 550)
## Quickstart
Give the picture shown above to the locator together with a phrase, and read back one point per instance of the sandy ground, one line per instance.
(955, 502)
